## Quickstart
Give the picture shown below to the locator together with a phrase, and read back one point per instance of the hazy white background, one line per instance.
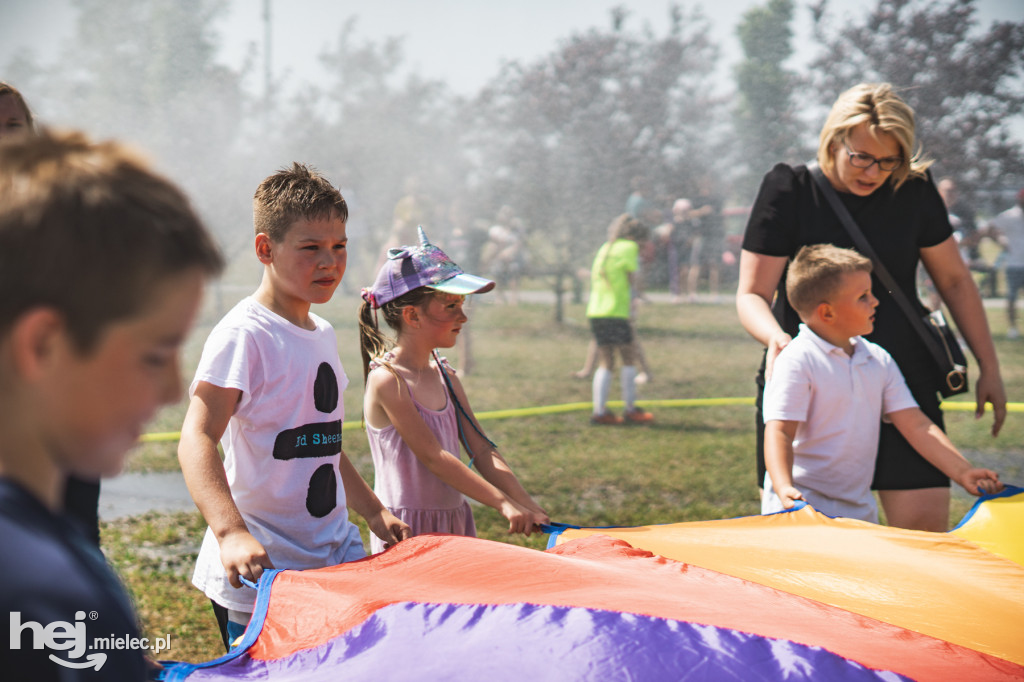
(462, 42)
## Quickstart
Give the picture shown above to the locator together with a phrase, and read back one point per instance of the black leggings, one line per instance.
(221, 614)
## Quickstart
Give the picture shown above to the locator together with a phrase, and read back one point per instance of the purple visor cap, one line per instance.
(412, 267)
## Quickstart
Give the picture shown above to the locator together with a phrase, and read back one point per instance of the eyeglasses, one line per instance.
(861, 160)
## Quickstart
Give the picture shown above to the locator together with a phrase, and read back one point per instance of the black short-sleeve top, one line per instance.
(790, 212)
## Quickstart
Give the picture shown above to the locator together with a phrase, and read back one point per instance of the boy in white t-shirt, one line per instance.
(830, 388)
(268, 388)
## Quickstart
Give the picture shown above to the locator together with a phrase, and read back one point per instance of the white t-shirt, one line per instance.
(839, 401)
(1011, 223)
(282, 445)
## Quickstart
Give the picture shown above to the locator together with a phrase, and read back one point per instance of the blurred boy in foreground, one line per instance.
(102, 265)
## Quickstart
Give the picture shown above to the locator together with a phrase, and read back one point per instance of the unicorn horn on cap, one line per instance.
(423, 236)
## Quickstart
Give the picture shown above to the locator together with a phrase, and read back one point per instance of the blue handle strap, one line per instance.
(460, 412)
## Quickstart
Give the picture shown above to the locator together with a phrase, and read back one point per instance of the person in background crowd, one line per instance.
(1007, 229)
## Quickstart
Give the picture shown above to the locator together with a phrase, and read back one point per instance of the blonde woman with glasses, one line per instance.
(868, 154)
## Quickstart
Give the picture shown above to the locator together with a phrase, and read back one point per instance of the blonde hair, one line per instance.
(628, 227)
(623, 226)
(817, 271)
(878, 105)
(8, 89)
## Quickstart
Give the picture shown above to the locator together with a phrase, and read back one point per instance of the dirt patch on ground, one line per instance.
(154, 542)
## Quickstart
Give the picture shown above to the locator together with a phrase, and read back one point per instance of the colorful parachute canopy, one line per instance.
(795, 596)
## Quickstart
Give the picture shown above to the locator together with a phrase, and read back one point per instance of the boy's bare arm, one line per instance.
(928, 439)
(778, 459)
(205, 422)
(361, 498)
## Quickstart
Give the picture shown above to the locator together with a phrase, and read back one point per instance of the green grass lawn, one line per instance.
(693, 463)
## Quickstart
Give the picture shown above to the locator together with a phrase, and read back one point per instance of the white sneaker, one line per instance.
(1012, 333)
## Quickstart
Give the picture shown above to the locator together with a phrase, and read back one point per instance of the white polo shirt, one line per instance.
(839, 401)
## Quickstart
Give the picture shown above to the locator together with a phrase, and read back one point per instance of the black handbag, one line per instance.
(938, 337)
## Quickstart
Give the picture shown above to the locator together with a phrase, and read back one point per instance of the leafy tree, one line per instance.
(963, 83)
(767, 128)
(146, 72)
(377, 132)
(560, 139)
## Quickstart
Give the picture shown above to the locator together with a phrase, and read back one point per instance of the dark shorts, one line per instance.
(229, 631)
(611, 331)
(710, 252)
(898, 466)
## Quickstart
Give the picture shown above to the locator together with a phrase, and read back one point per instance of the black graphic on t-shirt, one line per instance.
(323, 491)
(325, 389)
(321, 439)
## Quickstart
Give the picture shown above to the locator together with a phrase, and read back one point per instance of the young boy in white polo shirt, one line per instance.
(830, 388)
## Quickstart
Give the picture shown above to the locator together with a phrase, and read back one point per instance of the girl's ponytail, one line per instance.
(372, 343)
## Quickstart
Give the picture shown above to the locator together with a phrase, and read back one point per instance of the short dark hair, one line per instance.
(816, 272)
(90, 230)
(291, 194)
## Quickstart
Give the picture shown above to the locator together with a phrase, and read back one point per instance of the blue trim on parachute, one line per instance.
(797, 505)
(1008, 491)
(554, 529)
(180, 671)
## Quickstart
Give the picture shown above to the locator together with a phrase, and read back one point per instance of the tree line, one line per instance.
(558, 139)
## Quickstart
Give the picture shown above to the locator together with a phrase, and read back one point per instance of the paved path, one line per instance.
(137, 493)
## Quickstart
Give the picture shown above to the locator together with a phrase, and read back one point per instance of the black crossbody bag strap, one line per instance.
(887, 280)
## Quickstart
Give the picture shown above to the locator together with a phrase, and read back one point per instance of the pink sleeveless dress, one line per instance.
(408, 489)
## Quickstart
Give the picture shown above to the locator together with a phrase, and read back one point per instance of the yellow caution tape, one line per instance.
(961, 406)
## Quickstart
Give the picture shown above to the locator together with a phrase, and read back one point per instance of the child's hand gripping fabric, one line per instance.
(243, 556)
(388, 527)
(523, 519)
(788, 495)
(980, 482)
